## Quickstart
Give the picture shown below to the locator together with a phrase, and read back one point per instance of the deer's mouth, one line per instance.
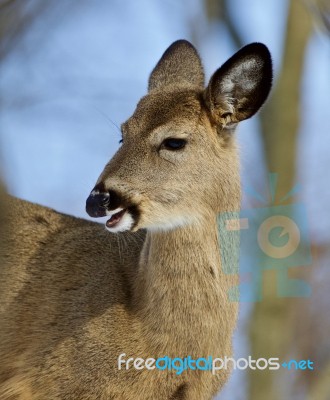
(116, 217)
(120, 220)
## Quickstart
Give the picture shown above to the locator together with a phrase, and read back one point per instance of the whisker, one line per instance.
(119, 249)
(111, 122)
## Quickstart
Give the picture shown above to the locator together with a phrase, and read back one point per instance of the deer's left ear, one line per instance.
(239, 88)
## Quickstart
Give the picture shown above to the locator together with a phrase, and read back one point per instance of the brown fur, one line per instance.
(73, 297)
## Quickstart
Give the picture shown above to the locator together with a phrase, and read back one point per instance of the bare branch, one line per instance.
(219, 10)
(320, 10)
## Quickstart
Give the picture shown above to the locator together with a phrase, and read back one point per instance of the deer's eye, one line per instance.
(173, 144)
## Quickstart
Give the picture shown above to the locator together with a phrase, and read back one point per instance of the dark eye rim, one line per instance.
(173, 144)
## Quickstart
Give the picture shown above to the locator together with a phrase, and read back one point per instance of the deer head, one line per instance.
(178, 160)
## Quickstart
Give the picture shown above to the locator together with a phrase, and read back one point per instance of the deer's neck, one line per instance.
(182, 292)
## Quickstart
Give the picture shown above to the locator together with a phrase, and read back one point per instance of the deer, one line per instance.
(78, 302)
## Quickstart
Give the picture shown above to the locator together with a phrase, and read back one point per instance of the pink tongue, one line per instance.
(115, 219)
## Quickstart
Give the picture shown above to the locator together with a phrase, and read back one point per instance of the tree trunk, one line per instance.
(271, 325)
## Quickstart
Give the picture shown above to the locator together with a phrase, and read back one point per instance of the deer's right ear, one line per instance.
(239, 88)
(180, 65)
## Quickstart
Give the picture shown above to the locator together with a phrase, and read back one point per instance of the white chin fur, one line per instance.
(124, 224)
(171, 223)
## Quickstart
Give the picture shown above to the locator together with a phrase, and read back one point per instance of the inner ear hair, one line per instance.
(240, 86)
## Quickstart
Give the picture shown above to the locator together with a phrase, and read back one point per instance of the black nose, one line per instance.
(96, 204)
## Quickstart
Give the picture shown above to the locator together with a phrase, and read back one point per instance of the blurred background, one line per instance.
(71, 71)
